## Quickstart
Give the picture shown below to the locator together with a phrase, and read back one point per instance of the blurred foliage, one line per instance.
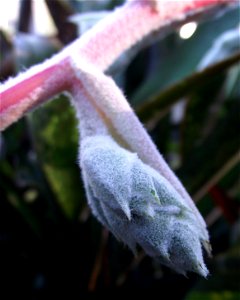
(49, 242)
(183, 55)
(56, 146)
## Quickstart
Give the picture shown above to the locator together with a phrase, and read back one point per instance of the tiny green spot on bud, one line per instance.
(155, 196)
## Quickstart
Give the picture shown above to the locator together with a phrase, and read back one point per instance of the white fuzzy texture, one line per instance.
(109, 99)
(15, 112)
(91, 123)
(136, 203)
(49, 84)
(139, 206)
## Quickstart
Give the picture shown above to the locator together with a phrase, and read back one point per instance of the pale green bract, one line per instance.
(139, 206)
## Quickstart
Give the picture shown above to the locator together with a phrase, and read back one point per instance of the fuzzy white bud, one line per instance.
(140, 207)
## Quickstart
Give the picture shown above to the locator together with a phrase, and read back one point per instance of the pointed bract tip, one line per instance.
(124, 207)
(126, 210)
(201, 270)
(207, 246)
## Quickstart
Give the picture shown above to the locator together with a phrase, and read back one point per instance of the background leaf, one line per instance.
(54, 130)
(181, 57)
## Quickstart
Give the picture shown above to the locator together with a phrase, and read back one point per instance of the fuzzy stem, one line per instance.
(108, 99)
(91, 122)
(100, 46)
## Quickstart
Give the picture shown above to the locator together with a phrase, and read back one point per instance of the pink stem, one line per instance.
(24, 88)
(100, 46)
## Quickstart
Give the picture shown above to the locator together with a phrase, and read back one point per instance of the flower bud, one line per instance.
(140, 207)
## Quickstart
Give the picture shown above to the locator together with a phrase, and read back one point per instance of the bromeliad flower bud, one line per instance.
(139, 206)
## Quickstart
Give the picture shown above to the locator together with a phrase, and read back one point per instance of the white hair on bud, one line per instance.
(139, 206)
(109, 99)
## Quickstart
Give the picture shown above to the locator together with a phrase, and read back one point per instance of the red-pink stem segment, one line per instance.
(100, 46)
(24, 88)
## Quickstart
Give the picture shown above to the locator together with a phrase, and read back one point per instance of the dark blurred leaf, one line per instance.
(166, 98)
(94, 5)
(181, 57)
(12, 186)
(60, 12)
(31, 49)
(232, 85)
(7, 56)
(10, 195)
(204, 158)
(56, 140)
(84, 21)
(202, 112)
(25, 14)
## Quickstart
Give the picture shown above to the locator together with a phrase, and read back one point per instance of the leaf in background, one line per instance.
(199, 119)
(60, 12)
(31, 49)
(21, 184)
(11, 196)
(205, 157)
(204, 107)
(178, 58)
(7, 56)
(85, 21)
(94, 5)
(25, 16)
(232, 83)
(161, 103)
(56, 141)
(225, 45)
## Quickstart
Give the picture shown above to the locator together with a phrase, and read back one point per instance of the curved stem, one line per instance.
(101, 46)
(110, 101)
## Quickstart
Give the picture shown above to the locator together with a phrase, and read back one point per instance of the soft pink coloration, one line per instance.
(99, 46)
(20, 90)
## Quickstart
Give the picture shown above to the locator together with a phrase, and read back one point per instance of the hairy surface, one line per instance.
(139, 206)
